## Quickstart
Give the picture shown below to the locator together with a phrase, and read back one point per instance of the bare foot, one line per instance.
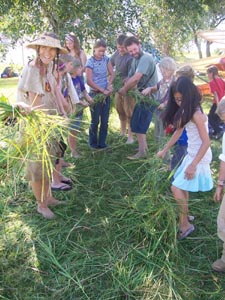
(54, 202)
(45, 212)
(130, 140)
(138, 155)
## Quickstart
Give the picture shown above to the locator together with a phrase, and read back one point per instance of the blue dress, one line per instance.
(202, 180)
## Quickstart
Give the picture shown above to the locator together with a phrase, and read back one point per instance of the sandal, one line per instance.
(66, 180)
(62, 187)
(183, 235)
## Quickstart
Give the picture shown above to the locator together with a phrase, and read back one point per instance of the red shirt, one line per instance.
(218, 85)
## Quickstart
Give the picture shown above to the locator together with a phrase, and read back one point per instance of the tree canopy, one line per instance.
(169, 24)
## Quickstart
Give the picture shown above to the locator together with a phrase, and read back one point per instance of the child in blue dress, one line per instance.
(193, 175)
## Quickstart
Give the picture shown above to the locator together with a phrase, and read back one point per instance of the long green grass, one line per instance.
(115, 237)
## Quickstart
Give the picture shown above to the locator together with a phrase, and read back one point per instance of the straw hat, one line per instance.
(47, 40)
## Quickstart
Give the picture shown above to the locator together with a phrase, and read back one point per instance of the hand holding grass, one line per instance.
(23, 107)
(122, 91)
(147, 91)
(84, 103)
(162, 153)
(109, 88)
(90, 100)
(107, 92)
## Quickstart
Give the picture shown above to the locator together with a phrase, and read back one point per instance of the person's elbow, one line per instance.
(207, 143)
(137, 77)
(89, 81)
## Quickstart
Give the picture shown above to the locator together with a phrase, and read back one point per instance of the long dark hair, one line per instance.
(177, 115)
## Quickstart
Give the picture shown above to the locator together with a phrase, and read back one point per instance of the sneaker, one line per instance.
(218, 265)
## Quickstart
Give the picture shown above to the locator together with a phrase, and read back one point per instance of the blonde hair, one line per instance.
(168, 63)
(186, 71)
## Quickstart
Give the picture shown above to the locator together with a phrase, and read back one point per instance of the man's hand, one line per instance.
(146, 91)
(122, 91)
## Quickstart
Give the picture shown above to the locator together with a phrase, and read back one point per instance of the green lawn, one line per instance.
(115, 237)
(7, 88)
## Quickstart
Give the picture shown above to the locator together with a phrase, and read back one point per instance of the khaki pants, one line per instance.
(221, 226)
(124, 106)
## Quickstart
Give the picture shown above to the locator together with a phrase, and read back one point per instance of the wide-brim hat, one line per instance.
(47, 41)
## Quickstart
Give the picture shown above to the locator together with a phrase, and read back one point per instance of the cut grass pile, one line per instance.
(115, 237)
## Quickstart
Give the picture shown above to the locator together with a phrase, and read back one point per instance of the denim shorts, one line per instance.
(141, 118)
(76, 123)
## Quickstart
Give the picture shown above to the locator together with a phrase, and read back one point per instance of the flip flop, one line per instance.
(67, 181)
(63, 187)
(183, 235)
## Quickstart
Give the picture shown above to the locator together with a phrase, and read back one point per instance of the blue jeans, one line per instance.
(179, 152)
(99, 112)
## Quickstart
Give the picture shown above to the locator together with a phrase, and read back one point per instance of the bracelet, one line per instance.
(220, 182)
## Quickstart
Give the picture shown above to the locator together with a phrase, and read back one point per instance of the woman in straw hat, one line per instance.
(37, 87)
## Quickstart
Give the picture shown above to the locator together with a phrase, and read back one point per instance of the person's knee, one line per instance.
(174, 190)
(121, 113)
(122, 117)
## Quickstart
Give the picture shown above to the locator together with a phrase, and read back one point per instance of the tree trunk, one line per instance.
(198, 45)
(208, 52)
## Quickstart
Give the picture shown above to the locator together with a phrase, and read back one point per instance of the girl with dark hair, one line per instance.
(193, 175)
(217, 87)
